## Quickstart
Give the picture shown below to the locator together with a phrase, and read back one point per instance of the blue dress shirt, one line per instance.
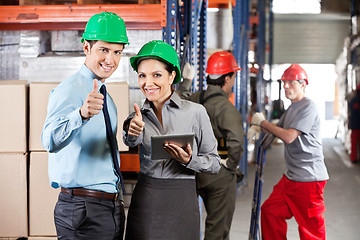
(79, 154)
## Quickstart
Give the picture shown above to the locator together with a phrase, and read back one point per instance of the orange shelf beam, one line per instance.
(254, 20)
(74, 17)
(220, 3)
(129, 162)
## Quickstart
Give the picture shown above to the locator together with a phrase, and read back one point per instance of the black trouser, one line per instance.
(78, 217)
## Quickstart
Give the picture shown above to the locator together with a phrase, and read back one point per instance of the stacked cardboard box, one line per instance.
(119, 91)
(42, 197)
(20, 158)
(13, 159)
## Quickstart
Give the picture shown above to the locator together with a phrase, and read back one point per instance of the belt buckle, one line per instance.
(116, 196)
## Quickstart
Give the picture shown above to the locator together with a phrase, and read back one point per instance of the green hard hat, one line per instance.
(106, 26)
(161, 51)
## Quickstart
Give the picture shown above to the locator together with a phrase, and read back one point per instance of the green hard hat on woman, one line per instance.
(107, 27)
(161, 51)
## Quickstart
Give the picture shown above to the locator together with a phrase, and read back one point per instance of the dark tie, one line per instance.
(111, 138)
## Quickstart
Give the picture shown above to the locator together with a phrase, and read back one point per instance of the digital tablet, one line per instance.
(157, 144)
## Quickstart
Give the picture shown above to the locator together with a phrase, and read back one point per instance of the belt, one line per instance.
(90, 193)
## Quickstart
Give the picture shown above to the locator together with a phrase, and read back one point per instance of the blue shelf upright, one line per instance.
(170, 31)
(186, 31)
(260, 56)
(241, 14)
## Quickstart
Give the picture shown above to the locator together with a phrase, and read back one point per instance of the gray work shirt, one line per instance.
(179, 117)
(304, 156)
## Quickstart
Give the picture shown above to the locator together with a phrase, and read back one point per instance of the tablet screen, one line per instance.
(157, 144)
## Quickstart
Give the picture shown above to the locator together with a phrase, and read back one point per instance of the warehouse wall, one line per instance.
(9, 56)
(309, 38)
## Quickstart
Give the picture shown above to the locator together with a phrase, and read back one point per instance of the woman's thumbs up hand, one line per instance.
(136, 124)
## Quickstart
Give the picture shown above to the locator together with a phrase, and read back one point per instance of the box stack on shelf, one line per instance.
(42, 197)
(27, 207)
(13, 158)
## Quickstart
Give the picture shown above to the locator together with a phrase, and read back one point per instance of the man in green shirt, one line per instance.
(219, 191)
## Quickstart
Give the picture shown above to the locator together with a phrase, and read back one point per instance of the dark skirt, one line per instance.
(165, 209)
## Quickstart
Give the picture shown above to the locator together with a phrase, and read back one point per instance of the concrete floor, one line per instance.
(342, 194)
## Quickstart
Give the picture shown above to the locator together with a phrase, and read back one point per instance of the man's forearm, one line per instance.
(286, 135)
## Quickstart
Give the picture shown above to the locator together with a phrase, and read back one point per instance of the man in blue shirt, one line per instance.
(90, 203)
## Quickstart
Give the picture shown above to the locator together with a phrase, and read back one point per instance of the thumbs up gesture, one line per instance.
(93, 103)
(136, 124)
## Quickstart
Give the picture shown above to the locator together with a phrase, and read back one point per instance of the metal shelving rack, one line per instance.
(199, 42)
(260, 56)
(186, 32)
(170, 29)
(241, 15)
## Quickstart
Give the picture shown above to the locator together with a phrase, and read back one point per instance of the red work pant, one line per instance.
(303, 200)
(355, 145)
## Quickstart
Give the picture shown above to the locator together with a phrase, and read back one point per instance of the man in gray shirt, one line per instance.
(299, 193)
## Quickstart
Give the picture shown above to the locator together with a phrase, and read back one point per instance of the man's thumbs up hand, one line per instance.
(93, 103)
(136, 124)
(95, 86)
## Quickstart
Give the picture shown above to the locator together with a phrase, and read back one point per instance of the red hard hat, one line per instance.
(221, 63)
(294, 72)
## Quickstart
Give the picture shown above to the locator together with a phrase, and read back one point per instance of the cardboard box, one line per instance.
(13, 121)
(42, 197)
(39, 98)
(119, 91)
(13, 200)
